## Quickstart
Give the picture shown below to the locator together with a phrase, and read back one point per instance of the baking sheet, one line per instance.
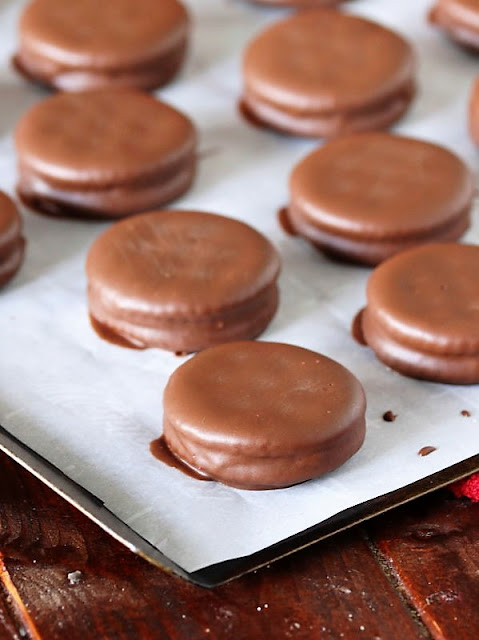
(91, 408)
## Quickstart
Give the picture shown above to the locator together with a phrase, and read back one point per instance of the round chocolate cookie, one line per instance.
(73, 45)
(103, 153)
(182, 280)
(12, 243)
(368, 196)
(459, 19)
(262, 415)
(422, 314)
(474, 113)
(324, 73)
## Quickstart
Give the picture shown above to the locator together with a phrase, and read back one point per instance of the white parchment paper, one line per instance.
(92, 408)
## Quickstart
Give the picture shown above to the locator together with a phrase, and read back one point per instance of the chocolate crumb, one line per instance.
(74, 577)
(181, 354)
(389, 416)
(466, 413)
(425, 451)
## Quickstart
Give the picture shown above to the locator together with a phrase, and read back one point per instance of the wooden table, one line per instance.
(410, 574)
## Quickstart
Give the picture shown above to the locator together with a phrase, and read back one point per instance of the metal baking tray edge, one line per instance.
(220, 573)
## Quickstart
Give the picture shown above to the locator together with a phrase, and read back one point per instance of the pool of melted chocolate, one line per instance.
(160, 451)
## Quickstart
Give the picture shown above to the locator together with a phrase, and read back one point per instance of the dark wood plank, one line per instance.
(77, 582)
(433, 548)
(337, 591)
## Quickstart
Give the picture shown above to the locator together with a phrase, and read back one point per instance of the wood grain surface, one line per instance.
(412, 574)
(433, 549)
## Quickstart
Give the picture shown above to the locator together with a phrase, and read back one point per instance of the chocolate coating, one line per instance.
(422, 316)
(103, 153)
(259, 415)
(368, 196)
(182, 280)
(323, 73)
(86, 44)
(12, 243)
(459, 19)
(474, 113)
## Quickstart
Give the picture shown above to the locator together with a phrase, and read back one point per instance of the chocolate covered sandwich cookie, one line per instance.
(261, 415)
(106, 153)
(367, 196)
(12, 243)
(322, 73)
(73, 45)
(181, 281)
(459, 20)
(422, 313)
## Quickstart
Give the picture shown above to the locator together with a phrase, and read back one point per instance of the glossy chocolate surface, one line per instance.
(12, 243)
(459, 19)
(474, 113)
(263, 113)
(160, 451)
(301, 74)
(260, 415)
(370, 195)
(422, 316)
(372, 251)
(106, 152)
(182, 280)
(378, 185)
(135, 43)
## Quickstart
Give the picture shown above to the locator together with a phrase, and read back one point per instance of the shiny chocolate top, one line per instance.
(377, 185)
(322, 60)
(102, 34)
(173, 263)
(103, 137)
(456, 13)
(264, 399)
(428, 298)
(10, 223)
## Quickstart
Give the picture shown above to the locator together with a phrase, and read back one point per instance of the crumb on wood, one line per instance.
(74, 577)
